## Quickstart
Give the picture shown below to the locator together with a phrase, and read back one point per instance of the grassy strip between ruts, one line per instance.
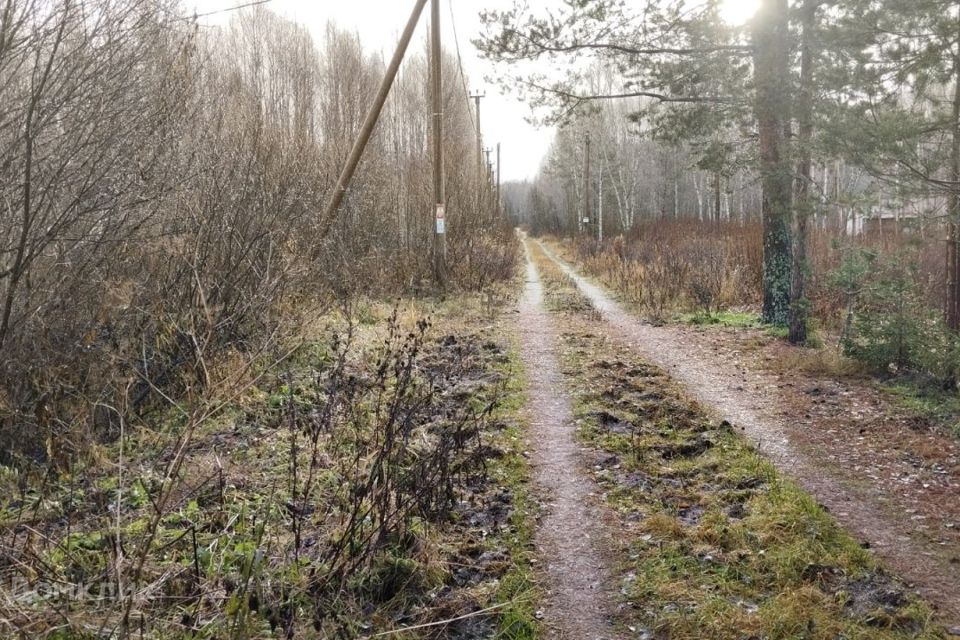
(245, 539)
(717, 544)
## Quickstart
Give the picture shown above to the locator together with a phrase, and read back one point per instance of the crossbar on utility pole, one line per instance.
(356, 154)
(439, 188)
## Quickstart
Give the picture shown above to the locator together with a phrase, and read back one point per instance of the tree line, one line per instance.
(160, 189)
(818, 106)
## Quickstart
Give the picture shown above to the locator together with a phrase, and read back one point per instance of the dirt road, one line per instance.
(574, 534)
(877, 514)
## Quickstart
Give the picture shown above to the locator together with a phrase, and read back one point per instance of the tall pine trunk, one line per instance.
(771, 41)
(799, 306)
(953, 241)
(953, 262)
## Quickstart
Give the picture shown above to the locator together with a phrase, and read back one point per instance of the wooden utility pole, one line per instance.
(439, 234)
(586, 183)
(499, 207)
(336, 199)
(600, 204)
(476, 99)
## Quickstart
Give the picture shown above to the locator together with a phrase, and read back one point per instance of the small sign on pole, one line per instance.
(441, 219)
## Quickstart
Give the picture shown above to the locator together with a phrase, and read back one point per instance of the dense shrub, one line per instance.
(889, 324)
(340, 481)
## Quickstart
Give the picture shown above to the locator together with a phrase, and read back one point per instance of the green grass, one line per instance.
(518, 591)
(929, 401)
(746, 320)
(736, 319)
(723, 545)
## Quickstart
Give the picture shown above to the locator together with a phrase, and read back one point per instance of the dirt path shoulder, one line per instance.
(890, 517)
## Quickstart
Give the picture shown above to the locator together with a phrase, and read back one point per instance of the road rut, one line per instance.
(573, 535)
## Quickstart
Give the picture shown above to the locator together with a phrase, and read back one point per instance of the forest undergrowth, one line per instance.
(372, 482)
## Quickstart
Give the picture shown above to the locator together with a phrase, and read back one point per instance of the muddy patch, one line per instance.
(612, 423)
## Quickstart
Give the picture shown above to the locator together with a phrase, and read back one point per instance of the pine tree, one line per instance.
(673, 56)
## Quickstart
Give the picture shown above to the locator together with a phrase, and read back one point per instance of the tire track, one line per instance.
(572, 534)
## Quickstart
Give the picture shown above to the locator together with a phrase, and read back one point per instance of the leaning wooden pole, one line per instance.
(356, 154)
(439, 188)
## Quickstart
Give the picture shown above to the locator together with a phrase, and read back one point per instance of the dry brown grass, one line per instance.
(668, 266)
(679, 266)
(825, 362)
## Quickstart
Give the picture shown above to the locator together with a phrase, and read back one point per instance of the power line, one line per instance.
(463, 77)
(196, 15)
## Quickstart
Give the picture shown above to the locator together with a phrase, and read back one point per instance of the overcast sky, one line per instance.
(379, 22)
